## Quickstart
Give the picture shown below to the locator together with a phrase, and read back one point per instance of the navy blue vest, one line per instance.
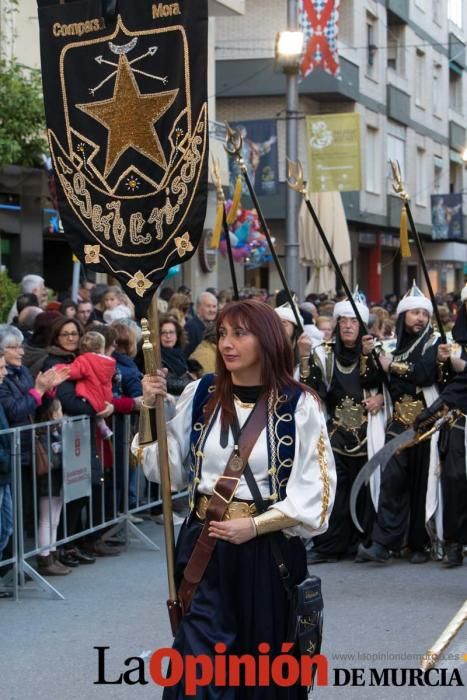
(280, 431)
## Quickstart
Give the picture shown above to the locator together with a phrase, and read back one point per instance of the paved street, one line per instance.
(47, 645)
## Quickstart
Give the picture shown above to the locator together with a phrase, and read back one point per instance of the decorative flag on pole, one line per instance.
(319, 21)
(125, 88)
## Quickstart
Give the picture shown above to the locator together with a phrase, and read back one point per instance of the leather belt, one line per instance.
(235, 509)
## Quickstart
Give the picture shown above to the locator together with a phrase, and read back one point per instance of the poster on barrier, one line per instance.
(76, 439)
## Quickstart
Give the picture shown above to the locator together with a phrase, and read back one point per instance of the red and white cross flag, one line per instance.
(319, 21)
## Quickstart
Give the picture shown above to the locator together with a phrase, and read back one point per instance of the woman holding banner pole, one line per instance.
(241, 600)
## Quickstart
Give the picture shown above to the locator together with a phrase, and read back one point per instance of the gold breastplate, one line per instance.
(407, 409)
(349, 414)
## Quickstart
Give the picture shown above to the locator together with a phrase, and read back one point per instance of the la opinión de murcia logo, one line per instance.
(283, 670)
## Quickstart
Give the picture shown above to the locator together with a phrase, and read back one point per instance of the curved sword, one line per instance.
(407, 439)
(380, 458)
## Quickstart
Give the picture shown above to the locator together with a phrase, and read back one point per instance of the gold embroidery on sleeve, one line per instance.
(324, 476)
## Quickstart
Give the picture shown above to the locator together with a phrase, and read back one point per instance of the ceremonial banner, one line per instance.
(259, 151)
(318, 21)
(334, 152)
(126, 106)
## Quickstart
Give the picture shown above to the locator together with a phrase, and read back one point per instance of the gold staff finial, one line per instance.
(216, 177)
(147, 433)
(398, 185)
(234, 142)
(295, 177)
(220, 213)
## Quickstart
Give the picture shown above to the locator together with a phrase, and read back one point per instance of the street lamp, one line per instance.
(289, 50)
(288, 56)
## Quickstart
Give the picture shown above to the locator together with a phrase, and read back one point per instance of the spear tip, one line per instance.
(234, 141)
(295, 176)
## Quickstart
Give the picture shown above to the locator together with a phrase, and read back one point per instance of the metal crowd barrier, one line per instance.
(104, 498)
(9, 563)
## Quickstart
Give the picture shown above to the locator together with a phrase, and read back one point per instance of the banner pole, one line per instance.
(403, 194)
(233, 147)
(228, 243)
(216, 176)
(432, 656)
(152, 428)
(153, 318)
(295, 181)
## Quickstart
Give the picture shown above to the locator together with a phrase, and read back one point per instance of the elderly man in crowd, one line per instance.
(205, 312)
(30, 284)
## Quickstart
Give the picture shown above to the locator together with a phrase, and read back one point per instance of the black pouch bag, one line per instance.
(306, 600)
(306, 625)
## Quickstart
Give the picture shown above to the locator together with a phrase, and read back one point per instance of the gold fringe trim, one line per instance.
(405, 247)
(217, 230)
(324, 476)
(232, 215)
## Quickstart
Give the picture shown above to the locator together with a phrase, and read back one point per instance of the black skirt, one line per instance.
(241, 602)
(56, 483)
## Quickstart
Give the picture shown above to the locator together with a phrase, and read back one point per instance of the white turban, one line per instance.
(414, 302)
(344, 308)
(285, 313)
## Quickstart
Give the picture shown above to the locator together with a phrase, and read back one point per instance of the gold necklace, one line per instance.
(243, 404)
(346, 370)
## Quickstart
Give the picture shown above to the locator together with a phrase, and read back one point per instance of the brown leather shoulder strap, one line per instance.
(223, 493)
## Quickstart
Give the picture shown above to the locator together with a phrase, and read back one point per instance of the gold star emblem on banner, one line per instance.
(129, 117)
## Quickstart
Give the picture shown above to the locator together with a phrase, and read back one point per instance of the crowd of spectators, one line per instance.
(44, 345)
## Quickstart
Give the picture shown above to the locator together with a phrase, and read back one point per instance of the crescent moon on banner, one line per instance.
(126, 48)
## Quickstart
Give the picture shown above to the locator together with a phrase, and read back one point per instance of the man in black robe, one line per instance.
(413, 371)
(452, 444)
(344, 382)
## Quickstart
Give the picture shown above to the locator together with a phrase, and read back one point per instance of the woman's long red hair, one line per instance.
(275, 352)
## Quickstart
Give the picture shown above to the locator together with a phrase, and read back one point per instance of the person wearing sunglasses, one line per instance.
(180, 370)
(64, 348)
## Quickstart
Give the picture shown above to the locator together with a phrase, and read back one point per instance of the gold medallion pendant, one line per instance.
(236, 463)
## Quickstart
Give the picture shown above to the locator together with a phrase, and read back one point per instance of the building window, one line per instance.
(455, 177)
(455, 12)
(421, 186)
(455, 91)
(437, 174)
(396, 51)
(372, 169)
(420, 78)
(437, 11)
(436, 88)
(396, 146)
(372, 49)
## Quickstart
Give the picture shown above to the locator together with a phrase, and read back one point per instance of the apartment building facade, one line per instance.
(403, 70)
